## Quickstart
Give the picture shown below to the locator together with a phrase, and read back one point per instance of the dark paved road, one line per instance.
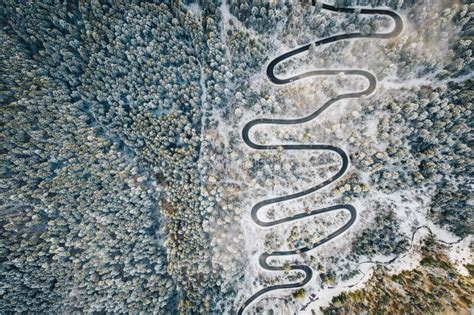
(263, 259)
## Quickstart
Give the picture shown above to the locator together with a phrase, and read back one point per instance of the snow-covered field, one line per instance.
(284, 172)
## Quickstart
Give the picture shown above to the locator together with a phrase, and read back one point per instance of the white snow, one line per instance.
(411, 205)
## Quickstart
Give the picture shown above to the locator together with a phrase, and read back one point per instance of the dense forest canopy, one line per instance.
(126, 185)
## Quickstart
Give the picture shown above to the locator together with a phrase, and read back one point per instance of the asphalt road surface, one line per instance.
(263, 259)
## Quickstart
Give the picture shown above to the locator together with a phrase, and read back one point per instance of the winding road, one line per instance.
(263, 259)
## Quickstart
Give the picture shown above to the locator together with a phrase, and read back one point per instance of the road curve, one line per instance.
(372, 83)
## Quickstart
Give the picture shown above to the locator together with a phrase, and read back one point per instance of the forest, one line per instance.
(127, 184)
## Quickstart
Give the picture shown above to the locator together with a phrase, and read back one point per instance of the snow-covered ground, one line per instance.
(281, 173)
